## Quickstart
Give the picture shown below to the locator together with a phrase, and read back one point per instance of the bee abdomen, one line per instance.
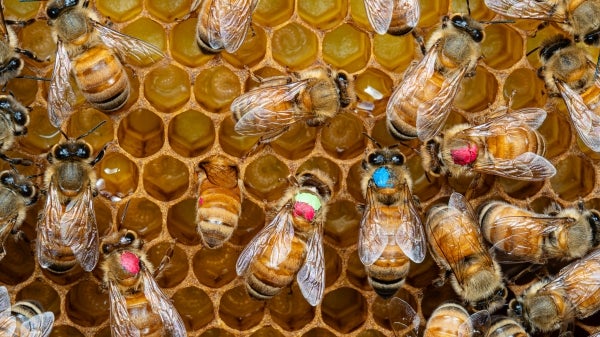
(143, 317)
(61, 261)
(388, 273)
(217, 214)
(102, 78)
(24, 310)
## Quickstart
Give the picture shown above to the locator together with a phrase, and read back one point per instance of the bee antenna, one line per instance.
(532, 51)
(122, 220)
(34, 78)
(373, 140)
(496, 21)
(468, 8)
(92, 130)
(6, 36)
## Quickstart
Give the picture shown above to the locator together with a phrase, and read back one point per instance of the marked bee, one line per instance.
(524, 236)
(551, 303)
(222, 24)
(458, 249)
(312, 96)
(24, 318)
(66, 231)
(568, 72)
(507, 146)
(292, 243)
(421, 103)
(138, 307)
(16, 193)
(219, 201)
(90, 51)
(391, 233)
(450, 319)
(397, 17)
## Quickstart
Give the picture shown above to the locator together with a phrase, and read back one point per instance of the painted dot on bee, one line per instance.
(464, 155)
(130, 262)
(382, 178)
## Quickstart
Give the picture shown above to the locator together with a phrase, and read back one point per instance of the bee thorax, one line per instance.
(130, 262)
(464, 155)
(382, 178)
(304, 210)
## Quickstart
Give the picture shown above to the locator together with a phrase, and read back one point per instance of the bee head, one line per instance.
(466, 24)
(7, 178)
(123, 238)
(55, 8)
(550, 47)
(78, 150)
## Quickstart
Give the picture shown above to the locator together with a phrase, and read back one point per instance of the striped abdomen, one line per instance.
(142, 316)
(217, 213)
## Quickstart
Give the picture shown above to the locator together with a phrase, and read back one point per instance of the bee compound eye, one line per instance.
(397, 159)
(7, 178)
(20, 118)
(376, 158)
(53, 12)
(83, 152)
(26, 190)
(129, 237)
(61, 152)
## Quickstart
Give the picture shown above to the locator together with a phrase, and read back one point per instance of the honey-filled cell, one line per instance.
(216, 87)
(374, 86)
(328, 167)
(215, 268)
(290, 310)
(37, 38)
(18, 264)
(181, 222)
(358, 13)
(168, 11)
(319, 332)
(524, 89)
(89, 312)
(344, 309)
(82, 121)
(183, 45)
(343, 136)
(216, 332)
(165, 178)
(143, 216)
(43, 293)
(23, 89)
(239, 311)
(252, 50)
(556, 131)
(346, 48)
(297, 142)
(177, 265)
(250, 222)
(141, 133)
(294, 46)
(273, 13)
(323, 14)
(167, 88)
(395, 53)
(432, 11)
(45, 135)
(119, 10)
(382, 311)
(147, 30)
(119, 175)
(477, 9)
(477, 92)
(266, 178)
(502, 46)
(232, 142)
(267, 331)
(342, 222)
(191, 133)
(20, 10)
(65, 331)
(194, 306)
(575, 178)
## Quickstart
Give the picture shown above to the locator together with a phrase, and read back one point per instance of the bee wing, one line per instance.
(38, 325)
(60, 92)
(527, 117)
(527, 166)
(379, 13)
(8, 325)
(372, 238)
(195, 4)
(162, 305)
(233, 20)
(432, 115)
(126, 45)
(263, 111)
(410, 236)
(585, 119)
(221, 174)
(527, 9)
(48, 227)
(280, 231)
(5, 229)
(120, 322)
(78, 224)
(311, 276)
(412, 11)
(4, 302)
(477, 324)
(403, 316)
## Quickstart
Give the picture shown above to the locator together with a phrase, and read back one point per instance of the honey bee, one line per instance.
(88, 50)
(502, 326)
(507, 146)
(219, 201)
(24, 318)
(14, 118)
(292, 243)
(312, 96)
(457, 247)
(391, 232)
(569, 73)
(67, 232)
(222, 24)
(138, 307)
(524, 236)
(421, 103)
(552, 302)
(451, 319)
(16, 193)
(397, 17)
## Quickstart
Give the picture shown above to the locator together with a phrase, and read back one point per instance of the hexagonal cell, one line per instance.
(181, 222)
(478, 9)
(45, 135)
(542, 204)
(267, 331)
(216, 332)
(297, 142)
(575, 178)
(434, 296)
(37, 38)
(266, 178)
(420, 275)
(25, 90)
(191, 133)
(143, 216)
(318, 332)
(355, 272)
(252, 50)
(294, 46)
(370, 333)
(520, 189)
(84, 120)
(323, 14)
(141, 133)
(346, 48)
(20, 10)
(182, 42)
(477, 92)
(432, 11)
(359, 14)
(239, 311)
(342, 136)
(502, 46)
(215, 267)
(65, 331)
(353, 182)
(18, 264)
(557, 133)
(273, 13)
(250, 222)
(344, 309)
(232, 142)
(167, 88)
(341, 225)
(168, 11)
(529, 90)
(327, 166)
(374, 86)
(216, 87)
(381, 309)
(333, 265)
(120, 175)
(290, 310)
(43, 293)
(93, 310)
(118, 10)
(149, 31)
(194, 306)
(394, 53)
(424, 187)
(177, 267)
(165, 178)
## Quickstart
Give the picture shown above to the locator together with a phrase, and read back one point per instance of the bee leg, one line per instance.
(31, 55)
(438, 282)
(16, 161)
(165, 260)
(19, 22)
(99, 156)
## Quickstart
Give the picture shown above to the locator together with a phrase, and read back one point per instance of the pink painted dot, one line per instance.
(200, 201)
(304, 210)
(130, 262)
(464, 155)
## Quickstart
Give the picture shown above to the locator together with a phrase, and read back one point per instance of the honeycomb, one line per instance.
(178, 114)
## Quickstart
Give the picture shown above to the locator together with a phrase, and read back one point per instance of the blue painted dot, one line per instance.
(382, 178)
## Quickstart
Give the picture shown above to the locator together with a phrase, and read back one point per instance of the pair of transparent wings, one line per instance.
(227, 22)
(549, 10)
(431, 114)
(278, 234)
(37, 326)
(61, 95)
(381, 12)
(585, 117)
(6, 227)
(73, 226)
(120, 320)
(407, 231)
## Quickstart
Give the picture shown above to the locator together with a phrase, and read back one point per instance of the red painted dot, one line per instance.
(130, 262)
(464, 155)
